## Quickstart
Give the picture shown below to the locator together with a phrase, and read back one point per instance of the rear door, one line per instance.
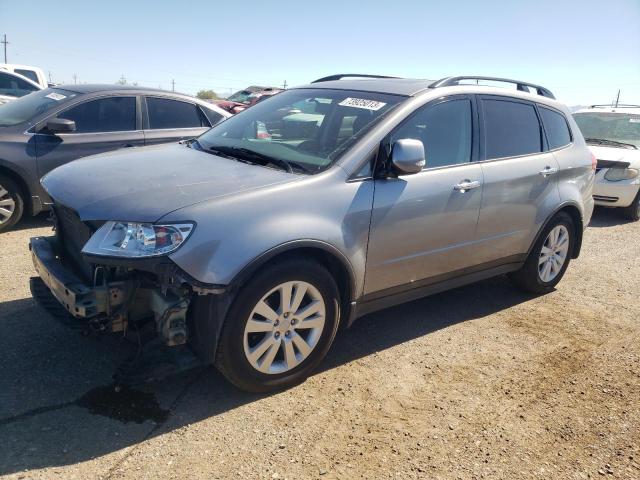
(520, 178)
(171, 120)
(423, 226)
(102, 124)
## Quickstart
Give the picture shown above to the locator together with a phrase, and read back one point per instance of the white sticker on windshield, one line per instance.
(56, 96)
(634, 120)
(362, 103)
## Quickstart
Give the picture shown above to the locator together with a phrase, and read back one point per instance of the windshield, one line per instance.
(27, 107)
(616, 127)
(307, 128)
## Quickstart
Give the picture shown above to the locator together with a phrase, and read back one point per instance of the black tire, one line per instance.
(632, 212)
(528, 277)
(13, 192)
(230, 357)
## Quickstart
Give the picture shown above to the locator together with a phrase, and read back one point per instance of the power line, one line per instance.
(4, 40)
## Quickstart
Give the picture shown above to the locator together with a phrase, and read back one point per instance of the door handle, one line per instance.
(127, 145)
(465, 185)
(548, 171)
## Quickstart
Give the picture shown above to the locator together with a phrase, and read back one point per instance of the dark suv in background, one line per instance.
(46, 129)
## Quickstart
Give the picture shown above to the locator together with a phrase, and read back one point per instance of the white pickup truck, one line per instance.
(19, 80)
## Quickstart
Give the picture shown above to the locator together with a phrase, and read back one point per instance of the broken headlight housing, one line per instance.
(137, 240)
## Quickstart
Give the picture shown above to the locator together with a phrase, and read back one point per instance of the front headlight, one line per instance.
(618, 174)
(135, 240)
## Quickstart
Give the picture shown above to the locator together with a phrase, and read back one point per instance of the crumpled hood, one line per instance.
(144, 184)
(617, 155)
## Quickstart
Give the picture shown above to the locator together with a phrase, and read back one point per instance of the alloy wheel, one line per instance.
(284, 327)
(553, 255)
(7, 205)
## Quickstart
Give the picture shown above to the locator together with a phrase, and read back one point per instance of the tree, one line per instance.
(207, 95)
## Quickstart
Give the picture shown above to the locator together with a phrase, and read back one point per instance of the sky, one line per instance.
(582, 50)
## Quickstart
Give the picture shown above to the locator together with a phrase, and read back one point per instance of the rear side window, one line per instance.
(445, 131)
(30, 74)
(510, 129)
(166, 113)
(111, 114)
(213, 116)
(555, 125)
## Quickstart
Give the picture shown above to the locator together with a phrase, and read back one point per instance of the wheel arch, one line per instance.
(573, 210)
(324, 253)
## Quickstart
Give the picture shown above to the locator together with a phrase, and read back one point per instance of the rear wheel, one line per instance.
(11, 203)
(632, 212)
(280, 326)
(548, 261)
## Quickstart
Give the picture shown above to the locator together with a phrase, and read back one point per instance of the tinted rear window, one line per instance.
(166, 113)
(511, 129)
(14, 86)
(111, 114)
(555, 125)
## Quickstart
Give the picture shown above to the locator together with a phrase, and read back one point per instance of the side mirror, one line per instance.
(61, 125)
(407, 156)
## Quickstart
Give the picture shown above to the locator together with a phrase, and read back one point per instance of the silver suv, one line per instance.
(254, 242)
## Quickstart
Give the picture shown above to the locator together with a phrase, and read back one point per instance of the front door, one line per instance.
(102, 125)
(423, 226)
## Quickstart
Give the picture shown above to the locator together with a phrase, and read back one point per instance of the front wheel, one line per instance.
(11, 203)
(280, 327)
(548, 261)
(632, 212)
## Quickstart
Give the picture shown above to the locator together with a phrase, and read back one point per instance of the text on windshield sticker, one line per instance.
(56, 96)
(362, 103)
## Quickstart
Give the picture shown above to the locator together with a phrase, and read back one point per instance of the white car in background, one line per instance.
(35, 74)
(13, 85)
(613, 134)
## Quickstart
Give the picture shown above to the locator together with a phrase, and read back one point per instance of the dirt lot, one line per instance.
(480, 382)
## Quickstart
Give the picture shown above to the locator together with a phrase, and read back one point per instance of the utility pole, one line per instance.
(75, 78)
(284, 85)
(618, 98)
(50, 79)
(173, 85)
(4, 41)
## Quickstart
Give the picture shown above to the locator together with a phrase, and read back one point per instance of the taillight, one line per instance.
(594, 162)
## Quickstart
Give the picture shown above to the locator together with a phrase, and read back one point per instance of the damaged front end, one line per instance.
(113, 294)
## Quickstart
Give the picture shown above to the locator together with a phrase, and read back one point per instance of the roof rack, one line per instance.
(620, 105)
(345, 75)
(522, 86)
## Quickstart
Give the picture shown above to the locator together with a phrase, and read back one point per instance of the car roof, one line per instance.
(628, 109)
(93, 88)
(396, 86)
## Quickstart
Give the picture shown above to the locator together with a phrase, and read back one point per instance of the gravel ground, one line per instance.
(479, 382)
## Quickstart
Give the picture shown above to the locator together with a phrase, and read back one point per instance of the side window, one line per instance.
(14, 86)
(511, 129)
(111, 114)
(166, 113)
(445, 131)
(555, 125)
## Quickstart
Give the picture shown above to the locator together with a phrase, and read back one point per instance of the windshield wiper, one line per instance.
(604, 141)
(246, 154)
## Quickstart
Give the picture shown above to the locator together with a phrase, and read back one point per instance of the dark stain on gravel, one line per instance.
(123, 403)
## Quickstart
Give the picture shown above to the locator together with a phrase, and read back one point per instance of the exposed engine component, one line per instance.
(170, 312)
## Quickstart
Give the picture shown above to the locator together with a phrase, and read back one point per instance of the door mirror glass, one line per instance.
(61, 125)
(407, 156)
